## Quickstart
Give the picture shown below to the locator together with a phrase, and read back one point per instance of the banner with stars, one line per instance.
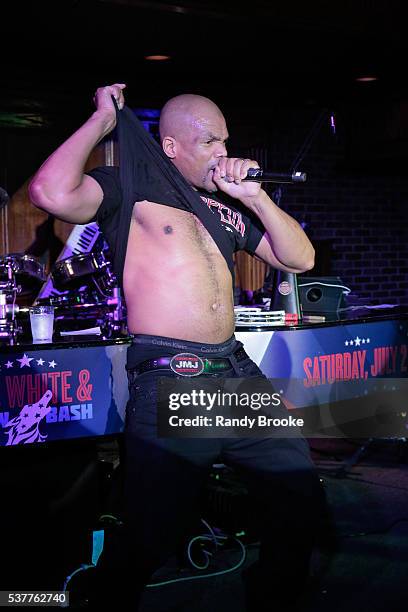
(334, 362)
(61, 393)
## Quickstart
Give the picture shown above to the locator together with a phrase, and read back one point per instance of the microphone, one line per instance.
(263, 176)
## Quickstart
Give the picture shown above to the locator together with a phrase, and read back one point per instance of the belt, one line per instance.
(213, 365)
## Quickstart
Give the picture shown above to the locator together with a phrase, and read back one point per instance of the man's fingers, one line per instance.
(118, 95)
(234, 169)
(116, 90)
(248, 163)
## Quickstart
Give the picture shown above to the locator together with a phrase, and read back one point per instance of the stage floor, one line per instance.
(363, 572)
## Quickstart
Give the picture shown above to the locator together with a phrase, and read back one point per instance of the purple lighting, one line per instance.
(163, 361)
(333, 123)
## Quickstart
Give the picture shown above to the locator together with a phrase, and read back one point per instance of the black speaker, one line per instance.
(322, 294)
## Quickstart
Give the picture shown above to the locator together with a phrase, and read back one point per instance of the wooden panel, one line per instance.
(21, 218)
(250, 272)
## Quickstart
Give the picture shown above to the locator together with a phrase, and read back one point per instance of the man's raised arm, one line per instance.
(285, 245)
(60, 186)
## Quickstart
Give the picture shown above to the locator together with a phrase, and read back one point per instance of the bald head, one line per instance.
(193, 134)
(184, 113)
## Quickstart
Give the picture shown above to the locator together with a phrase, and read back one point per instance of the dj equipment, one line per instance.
(26, 269)
(88, 290)
(81, 240)
(19, 274)
(322, 294)
(73, 271)
(257, 317)
(81, 286)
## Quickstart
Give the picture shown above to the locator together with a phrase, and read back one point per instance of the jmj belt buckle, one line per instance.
(187, 364)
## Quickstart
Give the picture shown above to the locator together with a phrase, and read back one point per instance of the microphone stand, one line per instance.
(285, 293)
(4, 200)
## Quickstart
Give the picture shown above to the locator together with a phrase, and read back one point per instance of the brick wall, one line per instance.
(355, 213)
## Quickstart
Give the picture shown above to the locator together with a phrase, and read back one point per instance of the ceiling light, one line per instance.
(366, 79)
(157, 58)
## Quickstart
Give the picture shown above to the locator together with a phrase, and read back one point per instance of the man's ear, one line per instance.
(169, 146)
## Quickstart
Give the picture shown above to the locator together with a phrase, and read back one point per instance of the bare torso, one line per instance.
(176, 281)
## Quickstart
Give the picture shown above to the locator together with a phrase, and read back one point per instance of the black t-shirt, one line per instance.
(244, 230)
(146, 173)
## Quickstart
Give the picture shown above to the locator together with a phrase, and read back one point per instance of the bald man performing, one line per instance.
(178, 290)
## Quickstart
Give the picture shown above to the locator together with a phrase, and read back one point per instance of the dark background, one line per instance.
(250, 55)
(278, 70)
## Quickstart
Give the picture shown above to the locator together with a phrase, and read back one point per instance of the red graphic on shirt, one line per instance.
(231, 217)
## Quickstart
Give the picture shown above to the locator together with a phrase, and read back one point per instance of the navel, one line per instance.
(168, 229)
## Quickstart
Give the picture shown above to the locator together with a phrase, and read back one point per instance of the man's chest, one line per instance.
(158, 220)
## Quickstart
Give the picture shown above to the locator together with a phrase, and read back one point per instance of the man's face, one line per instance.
(199, 148)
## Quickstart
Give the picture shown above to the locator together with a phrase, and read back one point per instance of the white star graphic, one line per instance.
(25, 361)
(346, 343)
(40, 361)
(368, 340)
(9, 364)
(363, 341)
(357, 341)
(351, 343)
(52, 364)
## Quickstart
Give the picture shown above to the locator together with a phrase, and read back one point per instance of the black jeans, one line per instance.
(164, 477)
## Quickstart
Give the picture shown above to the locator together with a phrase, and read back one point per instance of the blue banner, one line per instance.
(61, 393)
(331, 363)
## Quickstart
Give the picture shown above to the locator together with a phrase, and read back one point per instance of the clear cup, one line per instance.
(42, 323)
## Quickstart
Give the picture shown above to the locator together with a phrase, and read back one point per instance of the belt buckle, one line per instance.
(187, 364)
